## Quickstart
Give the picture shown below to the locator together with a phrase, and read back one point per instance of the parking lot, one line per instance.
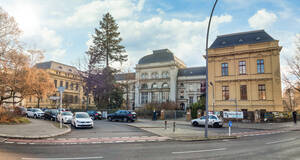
(104, 128)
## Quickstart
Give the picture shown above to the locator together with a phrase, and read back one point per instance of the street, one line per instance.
(278, 146)
(104, 128)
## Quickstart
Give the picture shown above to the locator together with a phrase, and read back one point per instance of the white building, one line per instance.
(162, 77)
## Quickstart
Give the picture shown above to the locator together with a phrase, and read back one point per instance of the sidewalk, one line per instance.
(259, 126)
(158, 128)
(35, 130)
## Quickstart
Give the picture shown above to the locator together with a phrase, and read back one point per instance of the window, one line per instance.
(165, 96)
(181, 85)
(191, 100)
(225, 93)
(260, 66)
(154, 75)
(144, 76)
(76, 99)
(71, 98)
(144, 86)
(165, 74)
(61, 84)
(154, 85)
(165, 85)
(77, 87)
(243, 92)
(261, 91)
(144, 97)
(242, 67)
(224, 69)
(72, 86)
(67, 85)
(55, 83)
(154, 96)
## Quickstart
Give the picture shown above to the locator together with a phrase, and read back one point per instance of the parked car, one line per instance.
(123, 115)
(82, 120)
(65, 117)
(35, 113)
(213, 121)
(20, 111)
(95, 114)
(51, 114)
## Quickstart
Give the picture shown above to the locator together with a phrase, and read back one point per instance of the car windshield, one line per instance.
(82, 115)
(67, 113)
(37, 110)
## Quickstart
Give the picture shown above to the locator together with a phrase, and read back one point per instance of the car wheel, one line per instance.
(215, 125)
(195, 124)
(109, 118)
(35, 117)
(125, 119)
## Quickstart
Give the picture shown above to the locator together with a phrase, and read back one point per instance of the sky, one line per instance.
(63, 28)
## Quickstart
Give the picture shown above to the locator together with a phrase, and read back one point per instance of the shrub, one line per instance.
(10, 117)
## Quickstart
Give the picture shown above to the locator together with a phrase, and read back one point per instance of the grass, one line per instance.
(58, 125)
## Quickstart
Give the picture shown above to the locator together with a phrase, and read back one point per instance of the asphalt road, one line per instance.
(278, 146)
(104, 128)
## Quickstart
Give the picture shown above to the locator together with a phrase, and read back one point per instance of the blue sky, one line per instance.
(63, 28)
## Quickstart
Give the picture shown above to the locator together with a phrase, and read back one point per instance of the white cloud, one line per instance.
(90, 13)
(262, 19)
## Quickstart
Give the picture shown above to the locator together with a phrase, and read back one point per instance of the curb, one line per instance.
(203, 139)
(37, 137)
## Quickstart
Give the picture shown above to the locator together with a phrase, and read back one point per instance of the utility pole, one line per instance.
(206, 84)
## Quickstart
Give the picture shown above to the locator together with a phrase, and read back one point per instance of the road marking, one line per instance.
(62, 158)
(199, 151)
(284, 140)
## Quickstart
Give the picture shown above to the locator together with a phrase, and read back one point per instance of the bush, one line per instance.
(10, 117)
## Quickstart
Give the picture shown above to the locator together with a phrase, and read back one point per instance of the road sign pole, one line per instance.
(60, 106)
(229, 131)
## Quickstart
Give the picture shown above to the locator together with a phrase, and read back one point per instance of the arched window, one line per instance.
(154, 85)
(144, 76)
(154, 75)
(165, 74)
(165, 85)
(144, 86)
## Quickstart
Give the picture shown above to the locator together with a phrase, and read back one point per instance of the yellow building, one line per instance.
(62, 76)
(244, 73)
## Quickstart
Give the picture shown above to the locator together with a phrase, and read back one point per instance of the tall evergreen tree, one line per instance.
(105, 50)
(106, 44)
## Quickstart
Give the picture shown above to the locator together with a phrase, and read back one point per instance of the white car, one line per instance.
(35, 113)
(65, 117)
(82, 119)
(213, 121)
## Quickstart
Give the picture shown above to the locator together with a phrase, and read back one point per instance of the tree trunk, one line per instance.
(38, 105)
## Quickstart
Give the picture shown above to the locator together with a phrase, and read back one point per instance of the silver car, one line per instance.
(213, 121)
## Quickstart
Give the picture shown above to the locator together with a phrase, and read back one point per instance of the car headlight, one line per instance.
(78, 121)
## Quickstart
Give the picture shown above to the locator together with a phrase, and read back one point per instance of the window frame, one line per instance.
(243, 92)
(262, 95)
(224, 69)
(260, 63)
(225, 93)
(242, 67)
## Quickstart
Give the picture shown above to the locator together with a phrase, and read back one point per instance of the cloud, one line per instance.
(262, 19)
(89, 14)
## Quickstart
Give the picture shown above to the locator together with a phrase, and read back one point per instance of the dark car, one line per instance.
(123, 115)
(51, 114)
(20, 111)
(95, 114)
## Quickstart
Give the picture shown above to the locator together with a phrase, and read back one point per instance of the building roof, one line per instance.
(57, 66)
(125, 76)
(162, 55)
(241, 38)
(193, 71)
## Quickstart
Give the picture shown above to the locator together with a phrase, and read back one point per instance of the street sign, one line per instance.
(229, 123)
(54, 97)
(61, 89)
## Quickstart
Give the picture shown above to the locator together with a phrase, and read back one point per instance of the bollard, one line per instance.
(174, 124)
(166, 124)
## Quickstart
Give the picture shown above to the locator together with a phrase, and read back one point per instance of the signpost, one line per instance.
(229, 124)
(61, 90)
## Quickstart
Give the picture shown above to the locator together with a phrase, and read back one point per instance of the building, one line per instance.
(244, 73)
(162, 77)
(62, 76)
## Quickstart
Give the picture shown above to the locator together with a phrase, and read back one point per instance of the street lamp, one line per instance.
(213, 96)
(206, 99)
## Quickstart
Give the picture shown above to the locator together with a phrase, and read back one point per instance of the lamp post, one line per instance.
(213, 96)
(206, 48)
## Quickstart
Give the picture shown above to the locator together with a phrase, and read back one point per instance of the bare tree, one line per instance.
(292, 79)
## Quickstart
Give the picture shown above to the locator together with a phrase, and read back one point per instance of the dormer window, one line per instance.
(258, 38)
